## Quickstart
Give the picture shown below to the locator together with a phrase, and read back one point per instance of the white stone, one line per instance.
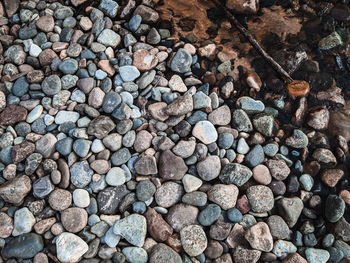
(116, 176)
(70, 248)
(205, 132)
(65, 116)
(97, 146)
(81, 198)
(176, 84)
(242, 146)
(35, 50)
(34, 114)
(191, 183)
(24, 222)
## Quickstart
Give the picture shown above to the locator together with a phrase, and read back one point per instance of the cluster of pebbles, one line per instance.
(117, 146)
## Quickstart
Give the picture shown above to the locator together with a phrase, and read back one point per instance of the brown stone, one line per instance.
(40, 258)
(144, 61)
(278, 169)
(223, 195)
(96, 97)
(100, 166)
(225, 258)
(243, 204)
(244, 255)
(342, 229)
(158, 228)
(294, 258)
(146, 165)
(45, 23)
(143, 141)
(182, 215)
(46, 57)
(11, 7)
(171, 167)
(65, 173)
(318, 118)
(236, 237)
(180, 106)
(74, 219)
(60, 199)
(345, 195)
(15, 190)
(44, 225)
(9, 172)
(261, 174)
(220, 116)
(259, 237)
(101, 126)
(214, 249)
(332, 176)
(106, 67)
(13, 114)
(220, 230)
(148, 14)
(157, 110)
(35, 76)
(298, 88)
(6, 225)
(21, 151)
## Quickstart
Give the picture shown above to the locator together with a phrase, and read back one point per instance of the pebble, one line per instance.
(70, 247)
(282, 248)
(163, 253)
(24, 221)
(171, 167)
(298, 140)
(133, 228)
(168, 194)
(80, 174)
(261, 174)
(129, 73)
(74, 219)
(316, 255)
(209, 168)
(234, 173)
(193, 240)
(290, 209)
(31, 243)
(209, 215)
(116, 176)
(109, 38)
(259, 237)
(334, 208)
(181, 62)
(205, 132)
(60, 199)
(15, 190)
(255, 156)
(191, 183)
(278, 169)
(135, 254)
(220, 116)
(81, 198)
(223, 195)
(250, 105)
(260, 198)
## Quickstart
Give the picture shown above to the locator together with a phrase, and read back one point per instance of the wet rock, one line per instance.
(318, 118)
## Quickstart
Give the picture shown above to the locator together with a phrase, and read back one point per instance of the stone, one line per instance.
(148, 14)
(116, 176)
(278, 227)
(6, 225)
(109, 7)
(23, 222)
(70, 248)
(163, 253)
(332, 176)
(12, 114)
(298, 140)
(318, 118)
(334, 208)
(255, 156)
(143, 60)
(261, 174)
(109, 199)
(46, 145)
(109, 38)
(259, 237)
(200, 100)
(278, 169)
(263, 123)
(60, 199)
(314, 255)
(180, 106)
(234, 173)
(100, 166)
(181, 62)
(260, 198)
(250, 105)
(223, 195)
(171, 167)
(282, 248)
(145, 190)
(21, 151)
(74, 219)
(80, 174)
(23, 247)
(168, 194)
(220, 116)
(129, 73)
(181, 215)
(290, 209)
(81, 198)
(135, 254)
(241, 121)
(68, 66)
(209, 215)
(143, 141)
(157, 227)
(244, 255)
(205, 132)
(193, 240)
(42, 187)
(294, 258)
(146, 165)
(81, 147)
(176, 84)
(191, 183)
(101, 126)
(15, 190)
(66, 116)
(331, 41)
(133, 228)
(209, 168)
(45, 23)
(324, 156)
